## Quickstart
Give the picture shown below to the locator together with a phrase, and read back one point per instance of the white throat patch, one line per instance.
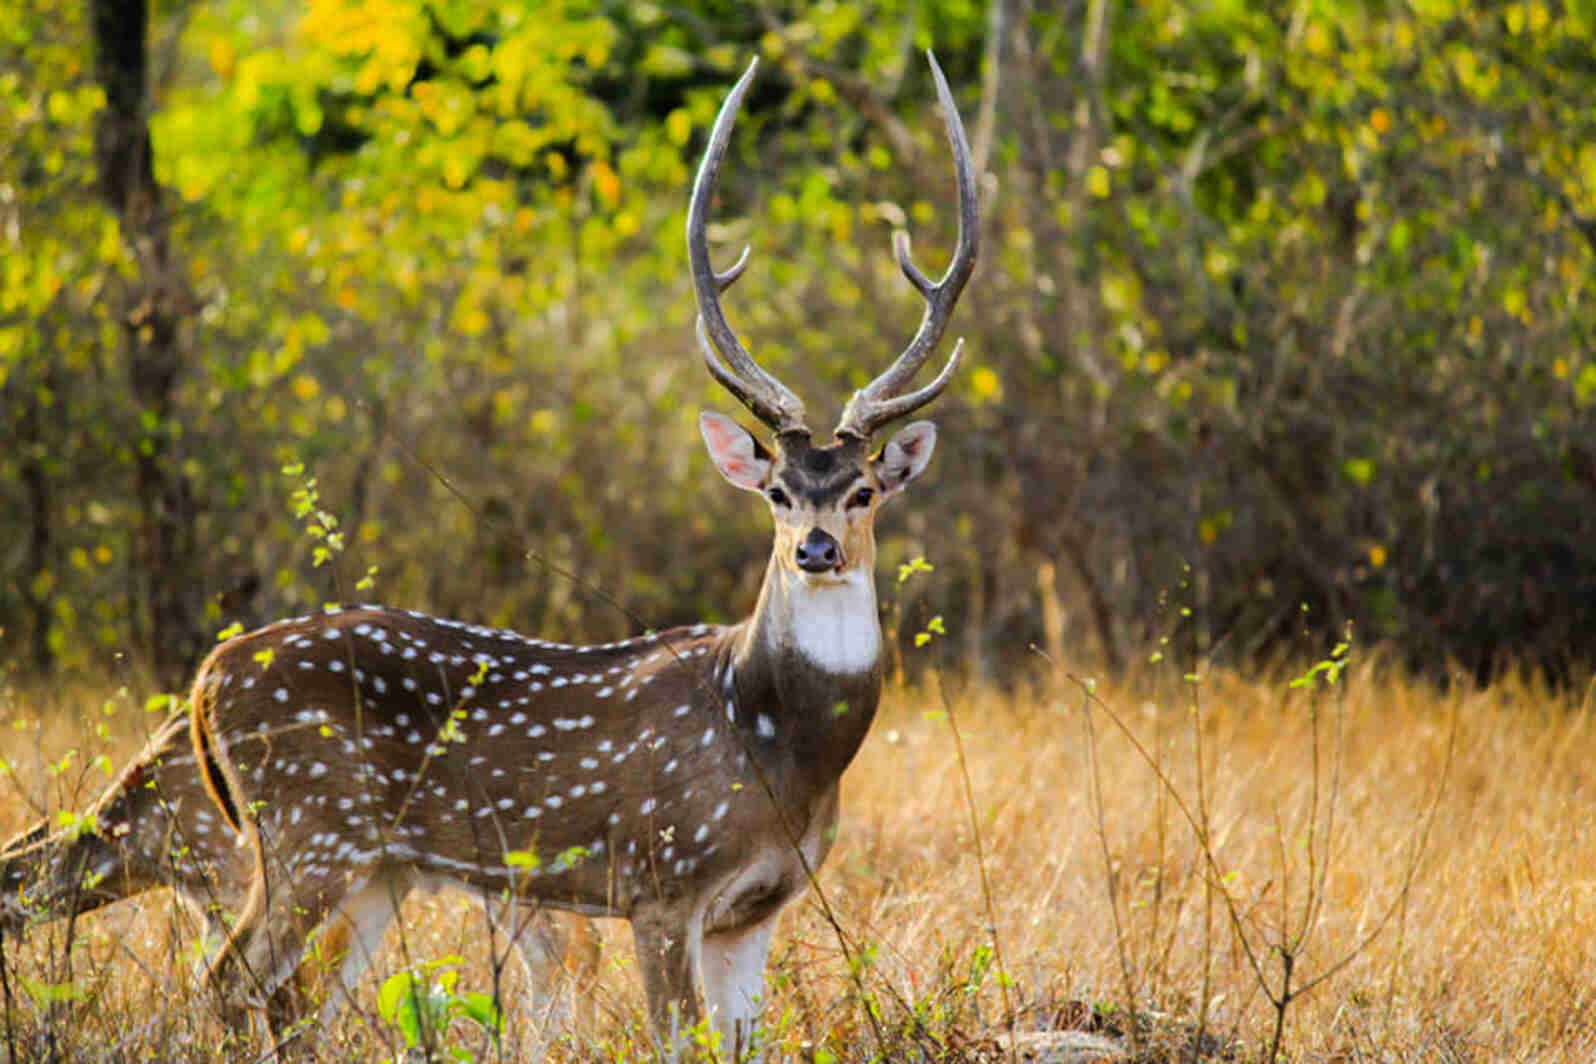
(835, 625)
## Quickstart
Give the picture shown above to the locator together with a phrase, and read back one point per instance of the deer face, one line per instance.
(823, 499)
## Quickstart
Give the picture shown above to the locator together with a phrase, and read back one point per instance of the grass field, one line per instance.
(1159, 855)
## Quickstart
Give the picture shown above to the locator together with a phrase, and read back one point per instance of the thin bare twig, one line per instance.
(980, 863)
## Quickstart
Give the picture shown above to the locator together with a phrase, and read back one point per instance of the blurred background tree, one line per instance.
(1281, 314)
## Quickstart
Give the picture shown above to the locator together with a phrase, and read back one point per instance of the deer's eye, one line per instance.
(778, 497)
(861, 497)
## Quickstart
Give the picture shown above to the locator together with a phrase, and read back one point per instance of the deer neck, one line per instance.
(831, 629)
(809, 663)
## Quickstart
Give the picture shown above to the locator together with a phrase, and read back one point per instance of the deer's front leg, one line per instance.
(669, 940)
(734, 984)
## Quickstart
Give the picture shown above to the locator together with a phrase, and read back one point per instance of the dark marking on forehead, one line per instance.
(818, 475)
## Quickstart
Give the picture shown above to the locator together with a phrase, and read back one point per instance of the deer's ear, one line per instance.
(905, 456)
(740, 458)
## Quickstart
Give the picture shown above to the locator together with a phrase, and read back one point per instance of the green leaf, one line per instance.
(481, 1008)
(1360, 470)
(77, 824)
(393, 988)
(396, 1003)
(666, 61)
(51, 993)
(1097, 182)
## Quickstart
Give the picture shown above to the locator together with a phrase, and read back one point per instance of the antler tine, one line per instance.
(879, 401)
(728, 361)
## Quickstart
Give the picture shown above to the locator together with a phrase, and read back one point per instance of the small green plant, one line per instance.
(305, 501)
(44, 993)
(933, 627)
(1330, 668)
(422, 1002)
(914, 565)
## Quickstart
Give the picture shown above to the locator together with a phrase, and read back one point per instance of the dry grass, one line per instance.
(1113, 917)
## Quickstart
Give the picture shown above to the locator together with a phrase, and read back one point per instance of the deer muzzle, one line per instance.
(819, 552)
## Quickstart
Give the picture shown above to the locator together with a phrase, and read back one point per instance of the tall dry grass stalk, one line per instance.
(1108, 909)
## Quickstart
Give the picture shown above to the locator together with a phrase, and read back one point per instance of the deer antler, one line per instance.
(770, 400)
(880, 402)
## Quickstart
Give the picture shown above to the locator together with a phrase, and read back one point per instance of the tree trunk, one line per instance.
(36, 487)
(156, 304)
(1052, 615)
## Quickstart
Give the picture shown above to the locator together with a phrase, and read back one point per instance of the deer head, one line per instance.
(824, 497)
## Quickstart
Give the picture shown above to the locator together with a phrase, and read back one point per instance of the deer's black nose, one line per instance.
(819, 553)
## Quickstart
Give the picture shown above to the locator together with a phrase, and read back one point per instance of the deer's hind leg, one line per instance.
(269, 967)
(343, 949)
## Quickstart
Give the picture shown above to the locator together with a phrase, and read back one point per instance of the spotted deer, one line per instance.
(685, 780)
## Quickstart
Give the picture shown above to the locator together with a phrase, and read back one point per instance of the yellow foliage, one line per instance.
(606, 183)
(1317, 39)
(385, 33)
(841, 225)
(1097, 182)
(469, 319)
(1120, 292)
(456, 170)
(678, 126)
(222, 56)
(985, 385)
